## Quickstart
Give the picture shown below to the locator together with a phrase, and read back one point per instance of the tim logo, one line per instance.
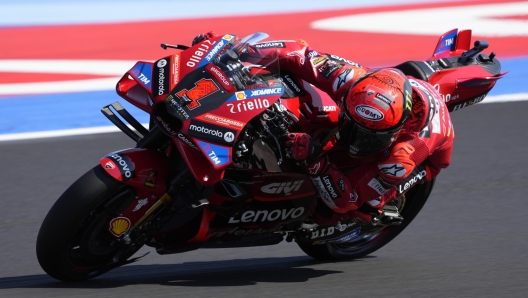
(203, 88)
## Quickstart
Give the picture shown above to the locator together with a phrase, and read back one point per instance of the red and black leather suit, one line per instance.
(426, 138)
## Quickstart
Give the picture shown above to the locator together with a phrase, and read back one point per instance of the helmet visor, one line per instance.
(361, 141)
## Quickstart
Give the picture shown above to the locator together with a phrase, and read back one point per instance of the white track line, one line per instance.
(107, 129)
(58, 133)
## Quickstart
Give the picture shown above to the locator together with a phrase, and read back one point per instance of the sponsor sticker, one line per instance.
(369, 113)
(330, 187)
(248, 105)
(199, 52)
(221, 77)
(343, 60)
(384, 183)
(343, 238)
(125, 166)
(447, 43)
(119, 225)
(312, 54)
(330, 68)
(140, 203)
(161, 78)
(383, 98)
(267, 91)
(319, 185)
(268, 45)
(318, 60)
(393, 169)
(376, 185)
(223, 121)
(211, 132)
(257, 93)
(418, 175)
(320, 232)
(152, 177)
(345, 76)
(284, 188)
(329, 108)
(187, 141)
(218, 155)
(175, 69)
(203, 88)
(143, 73)
(268, 215)
(468, 103)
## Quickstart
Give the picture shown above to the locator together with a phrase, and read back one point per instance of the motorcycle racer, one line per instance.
(392, 129)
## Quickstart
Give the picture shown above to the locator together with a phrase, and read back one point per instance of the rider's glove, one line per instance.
(204, 36)
(301, 146)
(310, 155)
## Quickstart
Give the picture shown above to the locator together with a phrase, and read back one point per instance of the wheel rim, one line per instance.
(92, 245)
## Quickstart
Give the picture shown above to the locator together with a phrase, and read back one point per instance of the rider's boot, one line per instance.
(389, 216)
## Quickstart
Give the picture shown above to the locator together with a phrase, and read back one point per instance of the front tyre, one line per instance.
(372, 239)
(74, 242)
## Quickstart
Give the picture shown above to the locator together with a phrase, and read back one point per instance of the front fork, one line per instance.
(157, 178)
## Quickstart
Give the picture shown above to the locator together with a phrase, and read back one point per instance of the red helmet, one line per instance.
(374, 111)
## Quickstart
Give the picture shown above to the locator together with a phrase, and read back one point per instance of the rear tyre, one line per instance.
(373, 238)
(74, 242)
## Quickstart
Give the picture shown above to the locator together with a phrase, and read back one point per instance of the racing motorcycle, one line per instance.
(210, 171)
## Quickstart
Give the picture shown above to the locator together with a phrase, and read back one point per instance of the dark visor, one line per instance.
(361, 141)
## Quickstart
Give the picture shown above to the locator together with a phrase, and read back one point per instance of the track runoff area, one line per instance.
(56, 73)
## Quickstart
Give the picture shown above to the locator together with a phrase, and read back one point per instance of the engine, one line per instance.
(261, 137)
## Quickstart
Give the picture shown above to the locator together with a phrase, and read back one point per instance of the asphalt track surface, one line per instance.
(468, 241)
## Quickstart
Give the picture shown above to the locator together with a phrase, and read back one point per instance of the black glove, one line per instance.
(204, 36)
(301, 146)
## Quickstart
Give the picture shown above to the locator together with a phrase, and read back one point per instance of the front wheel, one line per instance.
(74, 242)
(373, 238)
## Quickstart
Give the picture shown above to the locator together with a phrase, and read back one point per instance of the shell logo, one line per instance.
(119, 225)
(240, 95)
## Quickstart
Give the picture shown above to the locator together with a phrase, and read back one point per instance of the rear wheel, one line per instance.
(373, 238)
(74, 242)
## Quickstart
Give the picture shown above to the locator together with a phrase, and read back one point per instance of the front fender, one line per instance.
(146, 170)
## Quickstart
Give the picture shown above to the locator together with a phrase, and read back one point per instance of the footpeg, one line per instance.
(192, 196)
(388, 217)
(200, 203)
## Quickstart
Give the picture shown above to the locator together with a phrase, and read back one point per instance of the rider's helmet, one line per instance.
(374, 111)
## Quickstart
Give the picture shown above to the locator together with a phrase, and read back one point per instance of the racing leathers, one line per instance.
(420, 151)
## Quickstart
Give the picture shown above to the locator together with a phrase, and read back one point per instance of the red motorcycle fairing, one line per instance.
(145, 171)
(271, 201)
(136, 86)
(461, 84)
(205, 171)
